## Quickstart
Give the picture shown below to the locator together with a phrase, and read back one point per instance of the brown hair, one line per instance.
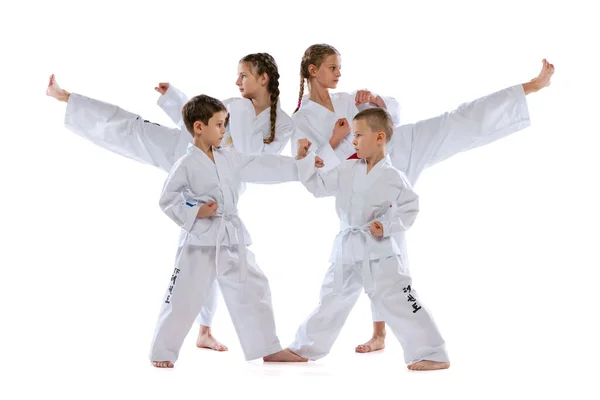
(315, 55)
(200, 108)
(378, 119)
(264, 63)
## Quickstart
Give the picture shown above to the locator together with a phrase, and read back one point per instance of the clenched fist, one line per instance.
(162, 87)
(303, 146)
(377, 229)
(208, 209)
(319, 162)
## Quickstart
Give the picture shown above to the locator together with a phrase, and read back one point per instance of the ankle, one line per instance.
(205, 330)
(531, 87)
(379, 335)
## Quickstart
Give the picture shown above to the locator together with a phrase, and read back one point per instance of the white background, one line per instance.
(504, 252)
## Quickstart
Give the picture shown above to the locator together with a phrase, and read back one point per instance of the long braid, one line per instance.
(301, 92)
(265, 63)
(314, 55)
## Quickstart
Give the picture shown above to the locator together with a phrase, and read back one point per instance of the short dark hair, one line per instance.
(200, 108)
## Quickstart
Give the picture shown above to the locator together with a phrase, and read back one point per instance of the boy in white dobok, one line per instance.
(201, 195)
(376, 206)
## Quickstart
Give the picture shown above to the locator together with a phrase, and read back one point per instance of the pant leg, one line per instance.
(376, 316)
(398, 302)
(249, 304)
(190, 283)
(210, 306)
(316, 335)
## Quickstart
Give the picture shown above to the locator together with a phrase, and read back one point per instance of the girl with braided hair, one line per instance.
(322, 118)
(258, 107)
(318, 110)
(257, 124)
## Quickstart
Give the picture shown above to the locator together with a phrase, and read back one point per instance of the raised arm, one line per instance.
(121, 131)
(471, 125)
(172, 101)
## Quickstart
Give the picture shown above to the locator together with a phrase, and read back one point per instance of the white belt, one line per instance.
(365, 230)
(338, 272)
(232, 221)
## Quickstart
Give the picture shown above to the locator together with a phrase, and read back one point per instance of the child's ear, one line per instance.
(198, 125)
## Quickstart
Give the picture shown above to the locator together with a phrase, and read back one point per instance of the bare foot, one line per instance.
(207, 341)
(285, 355)
(162, 364)
(376, 343)
(427, 365)
(55, 91)
(542, 80)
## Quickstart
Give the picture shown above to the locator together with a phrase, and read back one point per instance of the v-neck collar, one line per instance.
(371, 176)
(321, 107)
(200, 155)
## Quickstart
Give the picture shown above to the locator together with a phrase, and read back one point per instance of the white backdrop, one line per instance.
(503, 252)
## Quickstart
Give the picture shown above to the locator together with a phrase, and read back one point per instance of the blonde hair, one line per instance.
(314, 55)
(378, 120)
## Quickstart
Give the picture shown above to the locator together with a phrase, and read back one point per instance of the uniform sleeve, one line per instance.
(393, 108)
(172, 103)
(319, 139)
(122, 132)
(471, 125)
(176, 200)
(403, 212)
(391, 105)
(321, 182)
(264, 168)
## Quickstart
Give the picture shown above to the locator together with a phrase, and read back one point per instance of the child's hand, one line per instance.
(342, 128)
(303, 146)
(208, 209)
(365, 96)
(377, 229)
(162, 87)
(319, 162)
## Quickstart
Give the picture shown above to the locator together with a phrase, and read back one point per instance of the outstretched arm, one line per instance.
(471, 125)
(264, 168)
(319, 175)
(121, 131)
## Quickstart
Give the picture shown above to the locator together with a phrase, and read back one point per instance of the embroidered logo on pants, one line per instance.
(172, 285)
(411, 298)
